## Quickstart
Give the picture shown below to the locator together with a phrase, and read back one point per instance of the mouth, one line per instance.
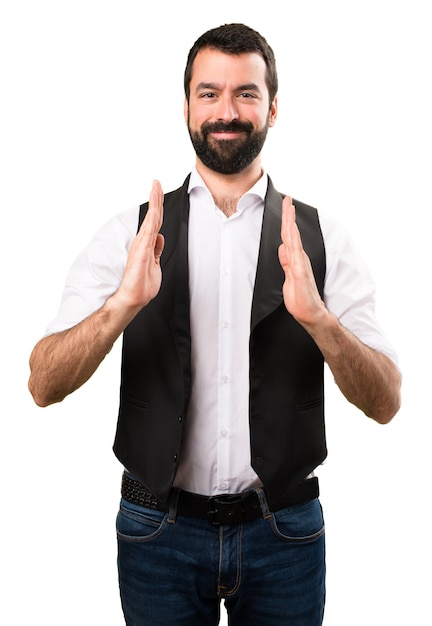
(226, 132)
(226, 135)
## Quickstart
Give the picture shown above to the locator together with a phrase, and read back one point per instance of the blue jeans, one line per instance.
(176, 570)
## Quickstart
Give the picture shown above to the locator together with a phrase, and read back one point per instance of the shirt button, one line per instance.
(224, 433)
(225, 271)
(225, 379)
(223, 486)
(225, 324)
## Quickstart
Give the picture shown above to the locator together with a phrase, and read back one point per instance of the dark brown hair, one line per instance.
(234, 39)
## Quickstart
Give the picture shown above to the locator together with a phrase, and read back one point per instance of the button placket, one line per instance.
(225, 373)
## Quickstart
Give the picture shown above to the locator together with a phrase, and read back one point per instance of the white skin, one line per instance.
(223, 87)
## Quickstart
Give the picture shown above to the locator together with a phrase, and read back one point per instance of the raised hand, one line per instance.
(62, 362)
(368, 379)
(300, 292)
(142, 276)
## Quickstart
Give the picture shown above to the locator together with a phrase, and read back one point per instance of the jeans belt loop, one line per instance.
(263, 502)
(172, 513)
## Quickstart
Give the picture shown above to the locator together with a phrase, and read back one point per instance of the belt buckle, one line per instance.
(225, 509)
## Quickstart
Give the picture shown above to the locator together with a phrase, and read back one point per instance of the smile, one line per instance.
(227, 134)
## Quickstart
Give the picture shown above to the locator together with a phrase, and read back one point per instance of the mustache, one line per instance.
(233, 126)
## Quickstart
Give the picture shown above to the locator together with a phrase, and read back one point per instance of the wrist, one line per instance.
(119, 311)
(325, 327)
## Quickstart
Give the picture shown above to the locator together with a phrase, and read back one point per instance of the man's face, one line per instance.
(228, 113)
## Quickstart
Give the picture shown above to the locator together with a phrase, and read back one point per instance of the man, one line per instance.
(229, 299)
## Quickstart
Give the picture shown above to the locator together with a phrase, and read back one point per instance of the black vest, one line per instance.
(286, 402)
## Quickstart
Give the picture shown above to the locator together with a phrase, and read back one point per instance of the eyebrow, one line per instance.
(217, 87)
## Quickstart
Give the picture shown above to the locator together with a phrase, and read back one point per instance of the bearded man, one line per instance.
(228, 306)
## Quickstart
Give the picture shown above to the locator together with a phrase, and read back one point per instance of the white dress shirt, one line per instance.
(223, 255)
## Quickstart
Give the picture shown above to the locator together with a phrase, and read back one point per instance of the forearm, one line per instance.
(367, 378)
(62, 362)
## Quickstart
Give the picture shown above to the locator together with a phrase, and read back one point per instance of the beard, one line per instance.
(228, 156)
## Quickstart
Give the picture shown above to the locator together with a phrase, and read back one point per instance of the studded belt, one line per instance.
(221, 509)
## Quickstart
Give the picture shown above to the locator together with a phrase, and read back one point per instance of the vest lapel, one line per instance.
(180, 321)
(174, 226)
(175, 272)
(269, 279)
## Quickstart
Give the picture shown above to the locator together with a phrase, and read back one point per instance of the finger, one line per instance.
(288, 217)
(156, 194)
(159, 246)
(156, 201)
(289, 228)
(153, 220)
(291, 237)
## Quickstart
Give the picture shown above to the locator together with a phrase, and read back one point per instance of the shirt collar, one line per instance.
(259, 189)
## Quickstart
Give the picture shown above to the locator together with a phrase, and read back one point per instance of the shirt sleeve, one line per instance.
(97, 271)
(349, 291)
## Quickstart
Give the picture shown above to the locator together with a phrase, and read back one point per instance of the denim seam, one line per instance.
(305, 539)
(159, 529)
(222, 592)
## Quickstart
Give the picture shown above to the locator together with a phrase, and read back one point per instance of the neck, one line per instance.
(227, 189)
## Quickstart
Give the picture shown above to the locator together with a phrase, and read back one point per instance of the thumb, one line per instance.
(159, 246)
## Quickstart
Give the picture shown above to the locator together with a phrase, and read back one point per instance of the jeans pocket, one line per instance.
(302, 523)
(138, 524)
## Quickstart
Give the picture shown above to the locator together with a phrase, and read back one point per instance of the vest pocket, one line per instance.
(309, 404)
(142, 404)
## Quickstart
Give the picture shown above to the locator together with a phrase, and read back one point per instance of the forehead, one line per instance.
(215, 66)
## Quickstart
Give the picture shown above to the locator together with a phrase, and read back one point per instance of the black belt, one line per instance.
(222, 509)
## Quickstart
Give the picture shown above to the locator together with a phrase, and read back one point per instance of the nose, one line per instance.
(227, 109)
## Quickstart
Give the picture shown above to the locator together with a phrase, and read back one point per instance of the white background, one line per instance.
(91, 112)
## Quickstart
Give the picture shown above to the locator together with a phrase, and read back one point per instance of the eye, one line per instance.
(208, 95)
(247, 95)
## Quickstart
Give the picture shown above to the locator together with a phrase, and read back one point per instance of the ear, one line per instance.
(186, 110)
(273, 111)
